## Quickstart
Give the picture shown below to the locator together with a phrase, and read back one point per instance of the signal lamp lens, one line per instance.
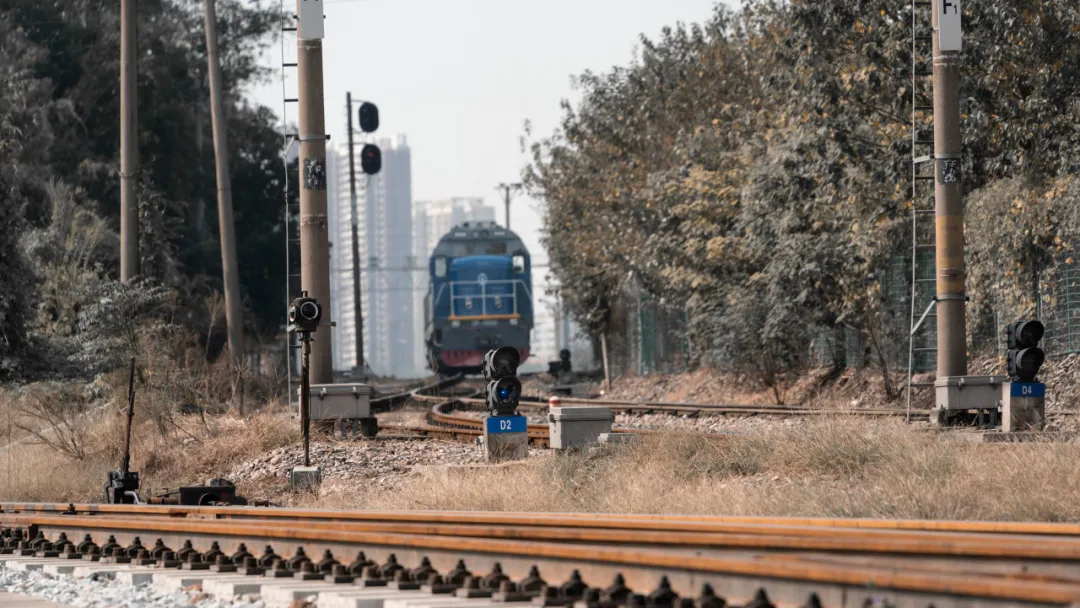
(1024, 364)
(507, 390)
(505, 360)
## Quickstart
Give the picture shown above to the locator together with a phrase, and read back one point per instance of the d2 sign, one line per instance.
(949, 34)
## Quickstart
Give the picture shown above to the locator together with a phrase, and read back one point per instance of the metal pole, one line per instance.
(125, 464)
(305, 398)
(314, 239)
(507, 199)
(129, 142)
(506, 188)
(948, 207)
(358, 310)
(226, 230)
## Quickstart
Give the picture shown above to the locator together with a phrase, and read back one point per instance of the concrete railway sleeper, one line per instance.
(288, 560)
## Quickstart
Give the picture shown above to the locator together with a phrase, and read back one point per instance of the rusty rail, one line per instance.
(844, 561)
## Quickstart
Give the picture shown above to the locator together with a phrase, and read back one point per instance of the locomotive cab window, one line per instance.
(440, 267)
(496, 248)
(519, 263)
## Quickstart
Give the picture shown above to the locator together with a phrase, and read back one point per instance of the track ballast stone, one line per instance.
(105, 593)
(381, 464)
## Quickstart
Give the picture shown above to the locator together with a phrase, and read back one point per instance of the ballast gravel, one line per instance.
(91, 593)
(380, 464)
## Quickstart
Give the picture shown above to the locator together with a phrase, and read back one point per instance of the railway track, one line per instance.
(443, 423)
(488, 560)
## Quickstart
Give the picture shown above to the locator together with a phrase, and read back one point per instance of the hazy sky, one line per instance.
(459, 78)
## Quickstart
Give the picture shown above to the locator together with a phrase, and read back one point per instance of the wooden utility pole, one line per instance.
(226, 231)
(507, 188)
(314, 239)
(948, 192)
(358, 310)
(129, 142)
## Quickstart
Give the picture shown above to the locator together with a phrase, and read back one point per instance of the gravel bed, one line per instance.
(90, 593)
(700, 424)
(379, 463)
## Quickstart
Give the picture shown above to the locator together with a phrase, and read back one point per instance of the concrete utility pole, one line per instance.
(226, 231)
(507, 188)
(314, 239)
(129, 142)
(358, 310)
(948, 194)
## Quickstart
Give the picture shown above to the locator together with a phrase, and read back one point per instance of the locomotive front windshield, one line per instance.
(480, 297)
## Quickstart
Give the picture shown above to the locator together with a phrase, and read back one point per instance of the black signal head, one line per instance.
(369, 117)
(1024, 334)
(501, 363)
(503, 395)
(1023, 365)
(370, 159)
(305, 313)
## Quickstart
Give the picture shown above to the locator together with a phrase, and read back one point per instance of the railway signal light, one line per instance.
(371, 159)
(369, 117)
(503, 387)
(304, 314)
(1024, 357)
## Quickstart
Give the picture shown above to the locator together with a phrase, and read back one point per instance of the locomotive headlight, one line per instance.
(513, 321)
(455, 324)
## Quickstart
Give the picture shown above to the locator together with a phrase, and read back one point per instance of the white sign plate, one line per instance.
(949, 34)
(310, 14)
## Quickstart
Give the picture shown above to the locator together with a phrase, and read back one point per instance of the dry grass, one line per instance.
(820, 467)
(192, 451)
(839, 467)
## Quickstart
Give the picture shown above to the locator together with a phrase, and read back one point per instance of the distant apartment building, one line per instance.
(340, 217)
(384, 228)
(390, 252)
(431, 220)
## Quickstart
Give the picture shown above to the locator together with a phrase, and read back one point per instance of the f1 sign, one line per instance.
(949, 33)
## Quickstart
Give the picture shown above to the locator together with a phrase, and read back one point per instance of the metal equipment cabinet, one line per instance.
(343, 402)
(578, 426)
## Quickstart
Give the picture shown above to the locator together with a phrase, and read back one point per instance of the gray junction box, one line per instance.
(339, 401)
(955, 394)
(578, 426)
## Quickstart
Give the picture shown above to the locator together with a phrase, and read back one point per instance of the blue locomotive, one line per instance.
(479, 297)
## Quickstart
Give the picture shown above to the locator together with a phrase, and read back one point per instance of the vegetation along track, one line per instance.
(342, 557)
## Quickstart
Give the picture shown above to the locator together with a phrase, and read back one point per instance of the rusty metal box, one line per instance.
(339, 401)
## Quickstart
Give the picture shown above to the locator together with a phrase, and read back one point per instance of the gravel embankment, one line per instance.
(380, 463)
(89, 593)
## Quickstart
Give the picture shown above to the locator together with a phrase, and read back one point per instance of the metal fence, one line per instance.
(1059, 309)
(648, 336)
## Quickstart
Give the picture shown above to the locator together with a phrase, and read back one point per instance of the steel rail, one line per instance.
(439, 415)
(777, 410)
(382, 403)
(1000, 540)
(676, 523)
(637, 560)
(786, 539)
